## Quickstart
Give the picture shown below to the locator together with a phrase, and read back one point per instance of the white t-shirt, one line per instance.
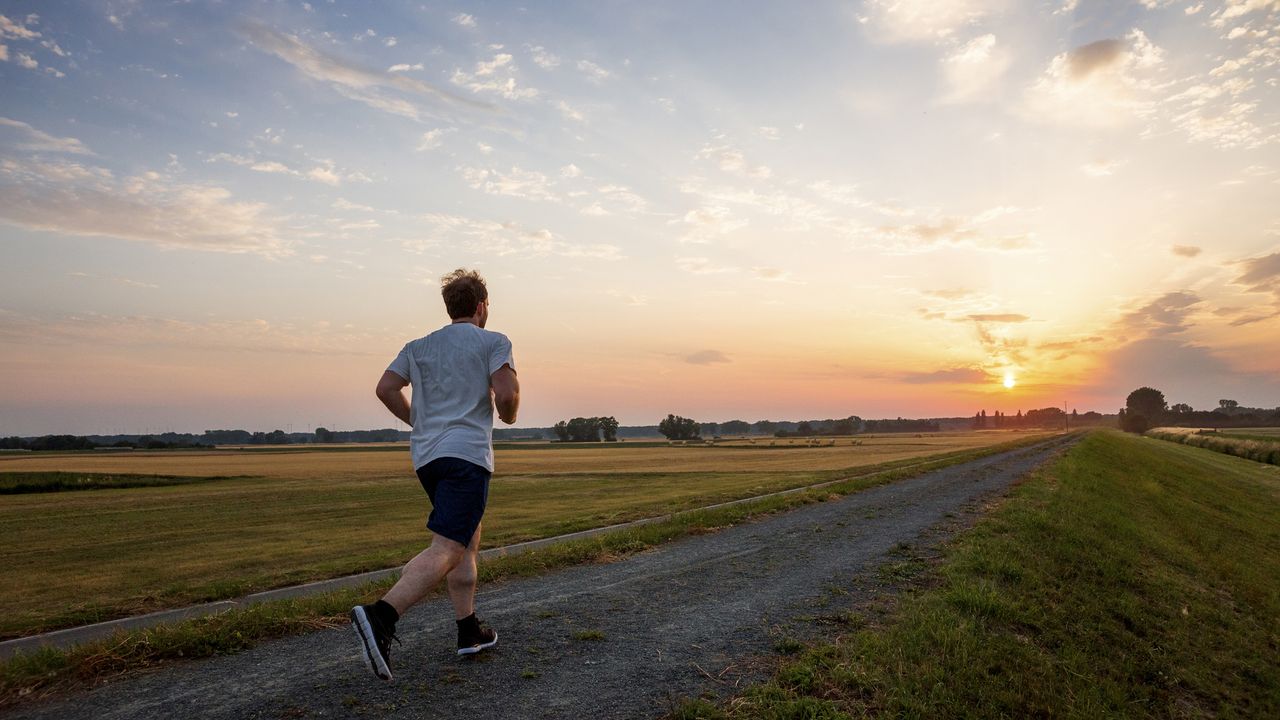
(452, 409)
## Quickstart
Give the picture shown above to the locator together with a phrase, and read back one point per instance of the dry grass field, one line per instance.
(379, 462)
(304, 515)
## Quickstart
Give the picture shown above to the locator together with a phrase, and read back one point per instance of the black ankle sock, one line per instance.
(468, 622)
(385, 612)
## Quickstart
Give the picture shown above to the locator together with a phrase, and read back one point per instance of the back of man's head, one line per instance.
(463, 290)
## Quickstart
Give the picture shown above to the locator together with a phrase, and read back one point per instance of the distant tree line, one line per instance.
(1146, 408)
(587, 429)
(1050, 417)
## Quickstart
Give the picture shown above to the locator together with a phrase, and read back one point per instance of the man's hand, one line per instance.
(506, 393)
(390, 392)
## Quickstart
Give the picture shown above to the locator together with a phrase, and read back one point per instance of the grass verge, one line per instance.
(1127, 579)
(1257, 448)
(36, 675)
(19, 483)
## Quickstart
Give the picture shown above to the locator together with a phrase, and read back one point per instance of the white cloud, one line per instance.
(355, 82)
(923, 20)
(569, 112)
(732, 160)
(483, 148)
(667, 104)
(1239, 8)
(503, 239)
(19, 29)
(270, 166)
(4, 52)
(464, 20)
(404, 67)
(486, 78)
(116, 21)
(768, 133)
(972, 69)
(1101, 84)
(432, 139)
(519, 183)
(38, 140)
(27, 61)
(544, 59)
(390, 41)
(709, 223)
(570, 171)
(75, 199)
(943, 232)
(325, 175)
(594, 72)
(1193, 9)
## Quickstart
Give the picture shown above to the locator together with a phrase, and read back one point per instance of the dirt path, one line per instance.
(602, 641)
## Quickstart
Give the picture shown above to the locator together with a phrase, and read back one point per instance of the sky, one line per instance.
(233, 215)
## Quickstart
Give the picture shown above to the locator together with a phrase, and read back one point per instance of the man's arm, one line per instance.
(506, 393)
(389, 391)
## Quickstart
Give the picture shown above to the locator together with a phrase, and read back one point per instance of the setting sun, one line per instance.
(1009, 380)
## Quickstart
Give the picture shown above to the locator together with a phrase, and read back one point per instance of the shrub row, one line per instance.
(1256, 450)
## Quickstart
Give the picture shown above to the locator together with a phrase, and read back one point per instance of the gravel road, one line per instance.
(620, 640)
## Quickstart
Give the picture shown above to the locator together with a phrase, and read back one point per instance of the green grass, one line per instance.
(49, 671)
(18, 483)
(1259, 448)
(1128, 579)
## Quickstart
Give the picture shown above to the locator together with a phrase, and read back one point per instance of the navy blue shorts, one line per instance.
(459, 491)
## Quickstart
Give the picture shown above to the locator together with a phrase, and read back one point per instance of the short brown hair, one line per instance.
(463, 290)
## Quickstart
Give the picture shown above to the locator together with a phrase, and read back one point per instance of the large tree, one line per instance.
(1147, 402)
(609, 428)
(678, 428)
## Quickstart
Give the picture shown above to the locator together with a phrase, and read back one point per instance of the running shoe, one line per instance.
(472, 637)
(375, 640)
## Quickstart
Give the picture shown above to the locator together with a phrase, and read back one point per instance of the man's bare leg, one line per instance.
(425, 571)
(461, 580)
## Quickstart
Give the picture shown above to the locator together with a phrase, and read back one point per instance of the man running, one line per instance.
(458, 373)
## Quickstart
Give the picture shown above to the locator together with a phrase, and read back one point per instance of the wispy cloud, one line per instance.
(1104, 83)
(36, 140)
(390, 92)
(922, 20)
(75, 199)
(732, 160)
(949, 376)
(503, 239)
(594, 72)
(973, 69)
(496, 76)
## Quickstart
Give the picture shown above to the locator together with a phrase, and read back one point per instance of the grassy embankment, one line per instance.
(1250, 444)
(310, 516)
(1128, 579)
(50, 670)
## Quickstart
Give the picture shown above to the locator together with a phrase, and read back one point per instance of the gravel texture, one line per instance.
(628, 639)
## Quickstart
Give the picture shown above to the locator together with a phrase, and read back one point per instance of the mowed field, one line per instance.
(306, 514)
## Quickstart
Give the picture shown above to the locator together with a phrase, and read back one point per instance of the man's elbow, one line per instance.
(385, 391)
(508, 404)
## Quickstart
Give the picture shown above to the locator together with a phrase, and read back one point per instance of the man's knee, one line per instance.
(452, 551)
